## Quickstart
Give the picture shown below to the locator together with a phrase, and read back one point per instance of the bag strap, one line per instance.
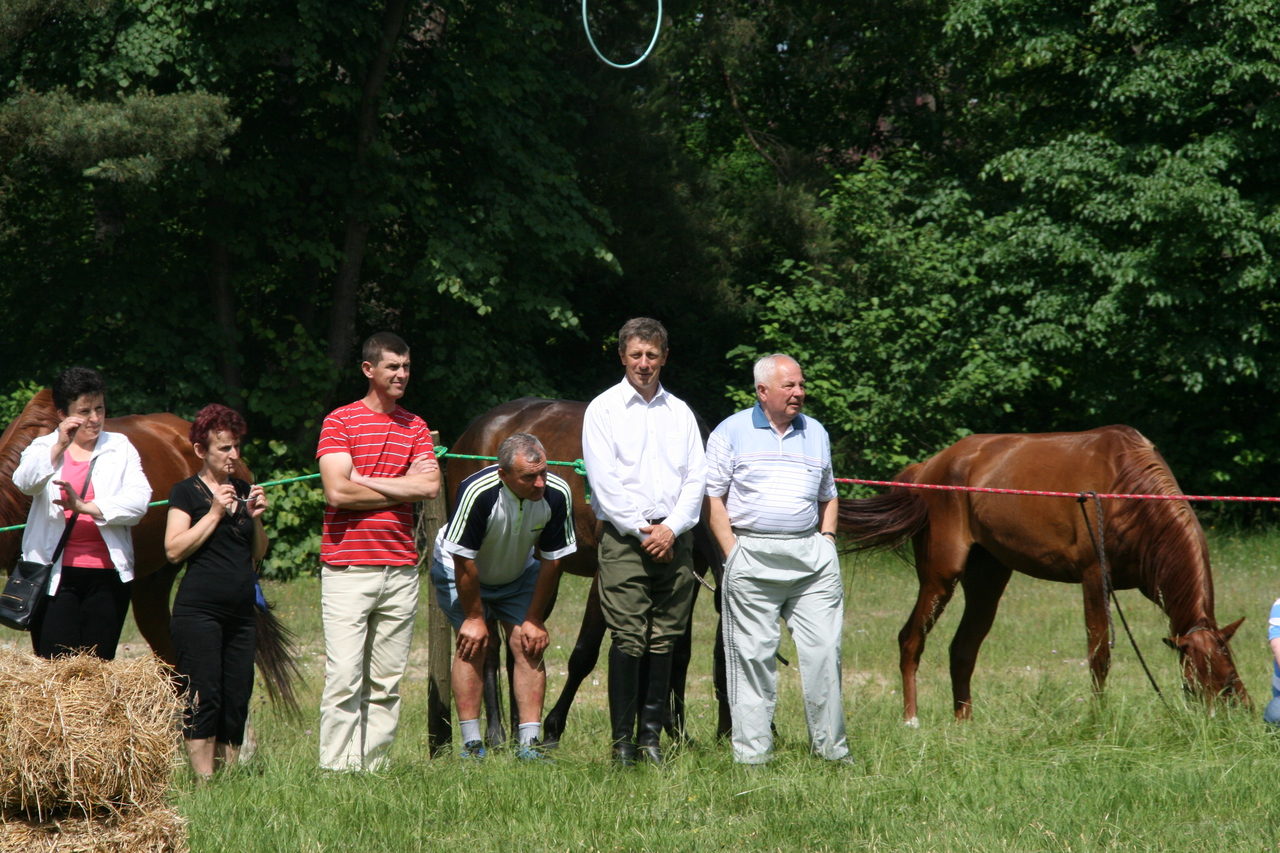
(66, 533)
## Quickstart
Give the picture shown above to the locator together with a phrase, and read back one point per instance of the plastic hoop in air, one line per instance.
(657, 27)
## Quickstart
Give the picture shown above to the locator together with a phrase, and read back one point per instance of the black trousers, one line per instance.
(215, 660)
(86, 614)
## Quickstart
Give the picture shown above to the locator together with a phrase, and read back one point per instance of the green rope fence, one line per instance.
(579, 467)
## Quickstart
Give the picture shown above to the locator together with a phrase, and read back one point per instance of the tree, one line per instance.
(375, 179)
(1109, 182)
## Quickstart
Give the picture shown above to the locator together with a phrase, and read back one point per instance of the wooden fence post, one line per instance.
(431, 517)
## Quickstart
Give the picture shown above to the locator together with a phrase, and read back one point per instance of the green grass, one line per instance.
(1042, 766)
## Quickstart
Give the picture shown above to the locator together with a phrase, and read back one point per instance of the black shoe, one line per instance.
(624, 755)
(651, 754)
(624, 685)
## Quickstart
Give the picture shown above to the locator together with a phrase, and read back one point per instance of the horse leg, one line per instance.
(937, 568)
(984, 581)
(583, 659)
(724, 722)
(150, 597)
(512, 705)
(494, 734)
(1096, 627)
(675, 723)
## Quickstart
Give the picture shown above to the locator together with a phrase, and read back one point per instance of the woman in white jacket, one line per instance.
(89, 585)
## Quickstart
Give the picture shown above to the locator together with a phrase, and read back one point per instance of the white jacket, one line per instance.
(121, 492)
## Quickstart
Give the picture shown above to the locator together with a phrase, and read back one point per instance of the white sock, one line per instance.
(470, 730)
(529, 732)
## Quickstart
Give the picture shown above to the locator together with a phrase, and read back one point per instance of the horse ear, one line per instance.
(1229, 631)
(1171, 642)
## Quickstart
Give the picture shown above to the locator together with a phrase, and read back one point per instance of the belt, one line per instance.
(657, 520)
(774, 534)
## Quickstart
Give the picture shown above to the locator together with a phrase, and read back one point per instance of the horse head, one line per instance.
(1207, 665)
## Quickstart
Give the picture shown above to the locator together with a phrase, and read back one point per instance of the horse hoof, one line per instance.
(913, 723)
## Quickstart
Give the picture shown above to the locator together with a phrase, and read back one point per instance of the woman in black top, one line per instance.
(215, 527)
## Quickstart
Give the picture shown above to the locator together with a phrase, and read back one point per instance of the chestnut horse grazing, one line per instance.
(167, 458)
(558, 425)
(978, 540)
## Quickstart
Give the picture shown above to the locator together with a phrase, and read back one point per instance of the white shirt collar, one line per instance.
(631, 396)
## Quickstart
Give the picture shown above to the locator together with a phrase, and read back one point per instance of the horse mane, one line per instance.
(1164, 537)
(38, 417)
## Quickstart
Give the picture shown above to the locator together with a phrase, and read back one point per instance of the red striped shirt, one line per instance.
(380, 445)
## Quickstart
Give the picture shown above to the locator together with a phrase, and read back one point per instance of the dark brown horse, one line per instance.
(978, 540)
(167, 458)
(558, 425)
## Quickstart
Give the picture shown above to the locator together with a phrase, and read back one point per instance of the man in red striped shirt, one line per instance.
(375, 460)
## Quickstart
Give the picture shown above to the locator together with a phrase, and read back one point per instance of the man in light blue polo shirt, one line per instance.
(773, 510)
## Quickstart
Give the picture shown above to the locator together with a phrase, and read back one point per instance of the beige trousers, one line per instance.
(368, 616)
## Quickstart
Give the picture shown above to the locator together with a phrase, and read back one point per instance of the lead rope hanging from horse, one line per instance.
(1108, 591)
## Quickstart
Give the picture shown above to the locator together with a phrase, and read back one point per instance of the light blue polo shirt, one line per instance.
(774, 482)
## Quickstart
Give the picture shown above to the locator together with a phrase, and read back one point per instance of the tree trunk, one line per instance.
(346, 287)
(224, 300)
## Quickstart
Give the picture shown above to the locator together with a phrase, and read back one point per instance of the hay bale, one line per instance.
(157, 831)
(83, 735)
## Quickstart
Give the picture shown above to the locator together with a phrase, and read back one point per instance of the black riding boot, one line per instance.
(624, 685)
(653, 714)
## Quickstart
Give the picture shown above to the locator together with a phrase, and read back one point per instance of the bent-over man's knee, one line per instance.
(1271, 715)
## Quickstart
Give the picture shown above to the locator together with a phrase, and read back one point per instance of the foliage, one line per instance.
(902, 347)
(12, 403)
(129, 140)
(1097, 245)
(294, 516)
(464, 193)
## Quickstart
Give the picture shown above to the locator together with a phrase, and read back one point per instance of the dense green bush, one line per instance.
(294, 516)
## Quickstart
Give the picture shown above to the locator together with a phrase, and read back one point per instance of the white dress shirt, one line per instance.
(644, 460)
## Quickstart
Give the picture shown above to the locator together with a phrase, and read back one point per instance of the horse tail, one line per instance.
(885, 522)
(277, 658)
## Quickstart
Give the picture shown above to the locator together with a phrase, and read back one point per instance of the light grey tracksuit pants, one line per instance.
(796, 577)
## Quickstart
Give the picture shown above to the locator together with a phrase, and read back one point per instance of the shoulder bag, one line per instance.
(28, 583)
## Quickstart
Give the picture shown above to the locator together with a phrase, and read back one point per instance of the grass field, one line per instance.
(1041, 767)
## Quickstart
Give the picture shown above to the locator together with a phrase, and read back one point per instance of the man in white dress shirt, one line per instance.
(647, 470)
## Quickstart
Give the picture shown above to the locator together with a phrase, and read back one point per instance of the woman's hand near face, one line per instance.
(67, 430)
(66, 434)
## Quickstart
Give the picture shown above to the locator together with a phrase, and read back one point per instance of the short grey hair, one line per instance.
(767, 366)
(646, 329)
(520, 444)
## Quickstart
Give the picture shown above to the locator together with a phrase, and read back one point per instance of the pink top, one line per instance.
(85, 547)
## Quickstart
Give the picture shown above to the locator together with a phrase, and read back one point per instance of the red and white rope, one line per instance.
(984, 490)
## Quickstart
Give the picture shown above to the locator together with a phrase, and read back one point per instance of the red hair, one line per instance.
(216, 417)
